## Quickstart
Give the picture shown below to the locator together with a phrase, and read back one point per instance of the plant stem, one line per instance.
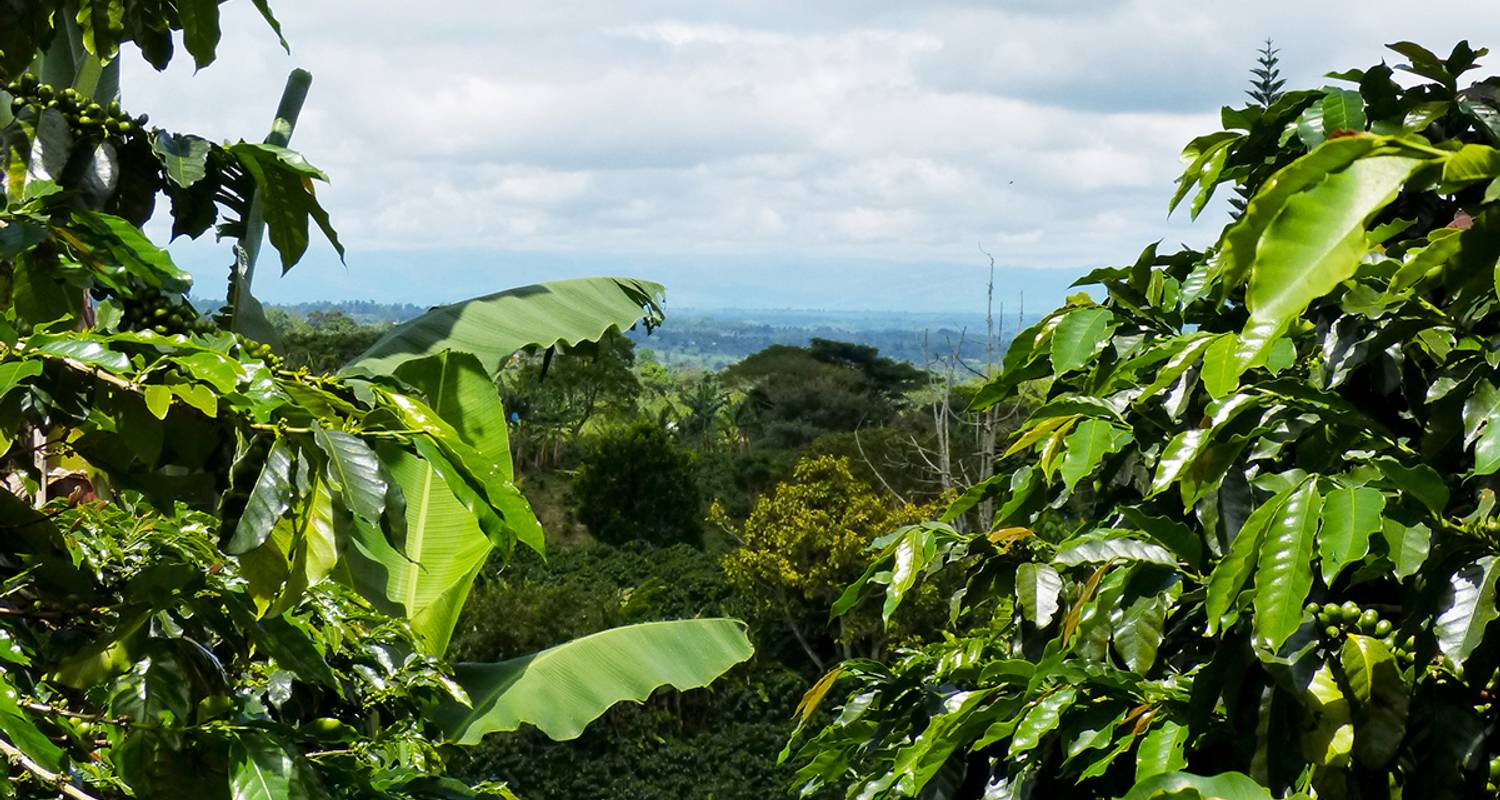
(52, 779)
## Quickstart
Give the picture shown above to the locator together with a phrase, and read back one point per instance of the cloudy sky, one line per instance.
(833, 154)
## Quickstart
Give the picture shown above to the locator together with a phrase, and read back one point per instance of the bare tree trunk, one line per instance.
(801, 640)
(941, 414)
(990, 416)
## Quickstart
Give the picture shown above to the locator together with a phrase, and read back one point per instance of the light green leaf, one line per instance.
(1472, 162)
(321, 528)
(910, 556)
(1221, 372)
(1086, 447)
(1313, 244)
(158, 400)
(184, 157)
(1243, 237)
(1407, 544)
(12, 373)
(1350, 516)
(1284, 575)
(556, 314)
(1186, 786)
(1343, 110)
(21, 731)
(1041, 719)
(427, 576)
(1160, 750)
(1037, 589)
(1328, 739)
(1113, 548)
(1080, 336)
(1468, 610)
(1381, 695)
(563, 689)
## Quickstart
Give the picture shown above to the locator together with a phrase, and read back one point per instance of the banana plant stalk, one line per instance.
(248, 249)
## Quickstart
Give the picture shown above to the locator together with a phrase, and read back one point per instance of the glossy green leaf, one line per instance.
(1185, 448)
(1161, 750)
(1350, 516)
(1234, 570)
(1408, 545)
(354, 472)
(285, 188)
(1113, 548)
(269, 500)
(556, 314)
(1139, 630)
(562, 689)
(1243, 238)
(1038, 587)
(1041, 719)
(1313, 244)
(1482, 427)
(1079, 337)
(1186, 786)
(1285, 572)
(911, 553)
(1468, 609)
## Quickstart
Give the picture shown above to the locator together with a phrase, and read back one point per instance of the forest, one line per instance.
(1223, 525)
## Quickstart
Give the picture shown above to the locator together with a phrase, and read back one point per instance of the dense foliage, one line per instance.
(804, 542)
(1280, 577)
(225, 577)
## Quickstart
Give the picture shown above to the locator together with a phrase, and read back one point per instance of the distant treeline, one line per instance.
(723, 338)
(717, 338)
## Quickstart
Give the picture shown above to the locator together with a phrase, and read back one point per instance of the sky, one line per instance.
(827, 154)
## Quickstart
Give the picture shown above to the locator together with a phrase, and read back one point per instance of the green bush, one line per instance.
(635, 483)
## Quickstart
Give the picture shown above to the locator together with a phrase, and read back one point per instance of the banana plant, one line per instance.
(192, 586)
(448, 358)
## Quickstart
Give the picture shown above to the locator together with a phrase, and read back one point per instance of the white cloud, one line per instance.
(784, 131)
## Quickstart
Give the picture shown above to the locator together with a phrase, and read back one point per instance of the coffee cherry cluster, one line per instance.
(150, 309)
(87, 118)
(259, 350)
(1493, 784)
(1339, 619)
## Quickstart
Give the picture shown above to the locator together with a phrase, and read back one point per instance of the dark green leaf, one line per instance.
(354, 472)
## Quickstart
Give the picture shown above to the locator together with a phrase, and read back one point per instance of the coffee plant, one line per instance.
(219, 577)
(1277, 458)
